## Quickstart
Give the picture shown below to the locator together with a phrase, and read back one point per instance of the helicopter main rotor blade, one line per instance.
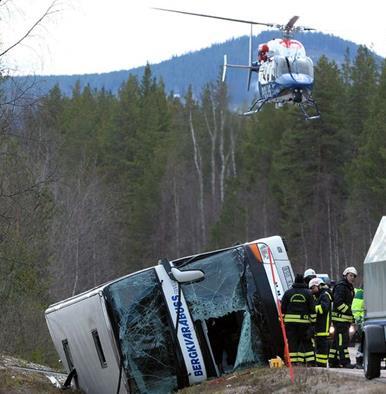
(217, 17)
(291, 23)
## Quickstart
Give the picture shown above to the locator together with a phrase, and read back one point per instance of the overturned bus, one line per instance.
(177, 323)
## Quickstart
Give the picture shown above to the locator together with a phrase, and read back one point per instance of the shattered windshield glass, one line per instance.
(221, 296)
(141, 320)
(221, 291)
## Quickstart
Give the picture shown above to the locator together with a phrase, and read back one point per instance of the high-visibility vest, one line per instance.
(358, 304)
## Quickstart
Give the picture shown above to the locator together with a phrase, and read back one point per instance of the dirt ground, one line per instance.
(15, 380)
(277, 380)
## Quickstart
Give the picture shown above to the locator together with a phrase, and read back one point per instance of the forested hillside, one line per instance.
(200, 67)
(95, 185)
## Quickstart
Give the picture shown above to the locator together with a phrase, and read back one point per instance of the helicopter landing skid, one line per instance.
(309, 103)
(255, 107)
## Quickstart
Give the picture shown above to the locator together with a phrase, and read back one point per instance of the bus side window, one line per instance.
(67, 352)
(99, 349)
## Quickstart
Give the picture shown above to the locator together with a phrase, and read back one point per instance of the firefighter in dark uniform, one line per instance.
(323, 306)
(299, 311)
(342, 318)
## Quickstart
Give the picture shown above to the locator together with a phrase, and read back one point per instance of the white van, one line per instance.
(177, 323)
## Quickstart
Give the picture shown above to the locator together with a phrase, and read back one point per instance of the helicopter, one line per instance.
(285, 74)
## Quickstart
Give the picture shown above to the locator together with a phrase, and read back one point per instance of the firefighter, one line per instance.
(298, 311)
(323, 319)
(308, 275)
(342, 318)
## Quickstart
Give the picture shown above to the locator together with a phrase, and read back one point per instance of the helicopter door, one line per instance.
(271, 71)
(267, 72)
(263, 73)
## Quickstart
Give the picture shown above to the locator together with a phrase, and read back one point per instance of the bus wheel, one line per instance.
(371, 362)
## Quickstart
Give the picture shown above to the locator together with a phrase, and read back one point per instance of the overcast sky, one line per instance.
(94, 36)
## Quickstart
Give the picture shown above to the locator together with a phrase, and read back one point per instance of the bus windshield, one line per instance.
(141, 324)
(219, 303)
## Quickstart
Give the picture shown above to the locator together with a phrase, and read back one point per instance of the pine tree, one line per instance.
(146, 155)
(309, 176)
(367, 175)
(360, 95)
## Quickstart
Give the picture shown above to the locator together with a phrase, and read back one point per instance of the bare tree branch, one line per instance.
(50, 10)
(28, 189)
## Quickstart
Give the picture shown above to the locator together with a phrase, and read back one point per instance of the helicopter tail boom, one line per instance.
(250, 59)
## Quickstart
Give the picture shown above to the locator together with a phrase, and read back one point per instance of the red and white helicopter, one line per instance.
(285, 74)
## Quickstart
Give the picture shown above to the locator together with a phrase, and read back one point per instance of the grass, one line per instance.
(17, 382)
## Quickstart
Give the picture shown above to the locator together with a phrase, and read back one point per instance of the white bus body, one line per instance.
(149, 332)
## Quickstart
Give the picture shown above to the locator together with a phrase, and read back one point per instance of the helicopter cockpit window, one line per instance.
(219, 304)
(286, 65)
(296, 51)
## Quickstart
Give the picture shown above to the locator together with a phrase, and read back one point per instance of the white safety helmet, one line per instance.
(309, 272)
(315, 282)
(350, 270)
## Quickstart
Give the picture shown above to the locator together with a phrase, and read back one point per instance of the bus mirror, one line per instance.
(187, 276)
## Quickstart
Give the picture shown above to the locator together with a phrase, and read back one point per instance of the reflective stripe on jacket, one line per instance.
(323, 313)
(297, 304)
(343, 296)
